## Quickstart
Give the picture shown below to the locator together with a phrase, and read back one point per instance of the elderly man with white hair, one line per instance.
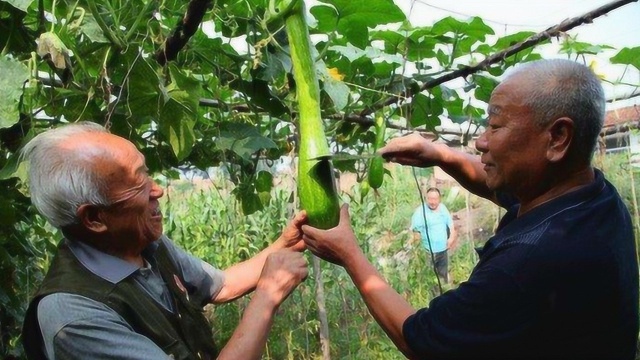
(118, 288)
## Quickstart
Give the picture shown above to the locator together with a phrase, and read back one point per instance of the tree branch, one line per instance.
(564, 26)
(627, 97)
(500, 56)
(183, 31)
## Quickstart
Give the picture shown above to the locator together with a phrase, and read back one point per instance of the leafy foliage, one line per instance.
(225, 102)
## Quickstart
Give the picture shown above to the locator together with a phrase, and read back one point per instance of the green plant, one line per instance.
(188, 99)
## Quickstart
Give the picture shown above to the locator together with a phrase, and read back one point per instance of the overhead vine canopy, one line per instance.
(187, 97)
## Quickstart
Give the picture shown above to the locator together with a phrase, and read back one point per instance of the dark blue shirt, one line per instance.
(559, 282)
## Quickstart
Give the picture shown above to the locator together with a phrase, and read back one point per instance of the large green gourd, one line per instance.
(316, 180)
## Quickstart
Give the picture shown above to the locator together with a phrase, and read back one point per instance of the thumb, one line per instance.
(344, 214)
(300, 218)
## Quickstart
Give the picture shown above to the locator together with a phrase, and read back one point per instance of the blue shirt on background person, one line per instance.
(439, 221)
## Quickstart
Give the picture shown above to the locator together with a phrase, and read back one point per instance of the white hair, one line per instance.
(61, 180)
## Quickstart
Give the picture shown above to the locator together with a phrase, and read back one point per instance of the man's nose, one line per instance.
(156, 190)
(482, 143)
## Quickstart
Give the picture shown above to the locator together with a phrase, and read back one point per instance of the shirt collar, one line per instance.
(511, 224)
(108, 267)
(553, 207)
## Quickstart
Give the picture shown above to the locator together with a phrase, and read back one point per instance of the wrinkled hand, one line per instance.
(336, 244)
(282, 272)
(413, 150)
(291, 237)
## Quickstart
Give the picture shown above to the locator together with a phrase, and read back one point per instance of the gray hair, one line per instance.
(566, 88)
(61, 180)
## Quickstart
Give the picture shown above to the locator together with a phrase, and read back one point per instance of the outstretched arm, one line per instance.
(242, 278)
(339, 245)
(415, 150)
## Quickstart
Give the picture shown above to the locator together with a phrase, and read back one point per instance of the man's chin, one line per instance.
(492, 184)
(155, 234)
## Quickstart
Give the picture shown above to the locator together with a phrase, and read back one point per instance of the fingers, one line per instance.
(400, 148)
(309, 231)
(300, 218)
(283, 271)
(344, 214)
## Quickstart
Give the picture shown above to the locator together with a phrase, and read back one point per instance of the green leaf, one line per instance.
(392, 40)
(247, 146)
(628, 56)
(425, 111)
(484, 87)
(447, 25)
(250, 202)
(261, 95)
(509, 40)
(476, 114)
(179, 114)
(242, 139)
(356, 16)
(15, 37)
(421, 49)
(338, 91)
(264, 181)
(7, 213)
(571, 46)
(350, 52)
(272, 68)
(176, 125)
(144, 87)
(91, 29)
(12, 76)
(452, 103)
(466, 33)
(327, 18)
(184, 83)
(10, 167)
(74, 105)
(478, 30)
(19, 4)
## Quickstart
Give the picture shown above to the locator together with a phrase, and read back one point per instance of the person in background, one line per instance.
(434, 226)
(118, 288)
(559, 279)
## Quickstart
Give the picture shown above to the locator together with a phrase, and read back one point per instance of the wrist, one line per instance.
(277, 245)
(443, 154)
(266, 299)
(353, 259)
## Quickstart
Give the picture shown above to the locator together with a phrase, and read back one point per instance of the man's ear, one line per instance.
(91, 218)
(561, 133)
